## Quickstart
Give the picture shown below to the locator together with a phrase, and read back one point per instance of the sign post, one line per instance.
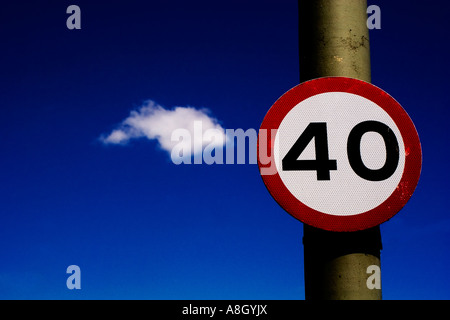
(334, 41)
(333, 145)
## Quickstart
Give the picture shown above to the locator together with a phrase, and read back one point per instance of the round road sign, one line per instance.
(345, 156)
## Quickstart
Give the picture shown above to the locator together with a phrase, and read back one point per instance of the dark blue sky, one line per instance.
(141, 227)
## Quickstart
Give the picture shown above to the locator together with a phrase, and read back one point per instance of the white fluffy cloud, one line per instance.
(154, 122)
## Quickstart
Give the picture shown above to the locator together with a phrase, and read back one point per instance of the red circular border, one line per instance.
(375, 216)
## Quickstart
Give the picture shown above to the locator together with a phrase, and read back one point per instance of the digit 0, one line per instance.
(354, 151)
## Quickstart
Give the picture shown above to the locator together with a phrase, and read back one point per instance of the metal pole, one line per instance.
(334, 41)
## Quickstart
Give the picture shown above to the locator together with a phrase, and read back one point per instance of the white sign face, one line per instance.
(340, 154)
(359, 194)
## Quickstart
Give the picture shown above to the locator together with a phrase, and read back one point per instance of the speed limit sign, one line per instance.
(347, 156)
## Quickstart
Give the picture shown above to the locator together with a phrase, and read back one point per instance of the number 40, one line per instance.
(322, 163)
